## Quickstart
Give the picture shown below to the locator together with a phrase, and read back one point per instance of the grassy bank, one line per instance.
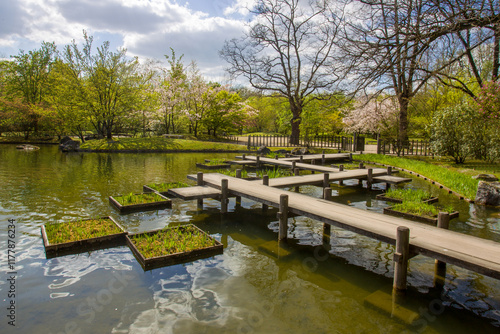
(457, 178)
(158, 144)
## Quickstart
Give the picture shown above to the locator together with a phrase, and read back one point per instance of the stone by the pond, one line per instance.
(486, 177)
(300, 151)
(488, 193)
(263, 150)
(70, 146)
(27, 147)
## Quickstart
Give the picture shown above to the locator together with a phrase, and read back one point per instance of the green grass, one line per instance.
(158, 143)
(215, 162)
(132, 198)
(457, 181)
(420, 209)
(405, 195)
(232, 172)
(81, 229)
(171, 241)
(273, 173)
(162, 187)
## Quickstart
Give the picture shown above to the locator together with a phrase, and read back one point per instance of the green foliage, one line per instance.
(162, 187)
(131, 199)
(171, 241)
(159, 143)
(105, 85)
(456, 132)
(79, 230)
(459, 182)
(408, 195)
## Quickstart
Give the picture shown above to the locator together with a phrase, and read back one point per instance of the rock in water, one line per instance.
(488, 193)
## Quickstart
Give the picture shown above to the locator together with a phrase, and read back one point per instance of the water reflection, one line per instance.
(257, 286)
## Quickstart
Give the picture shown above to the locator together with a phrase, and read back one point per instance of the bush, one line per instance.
(457, 132)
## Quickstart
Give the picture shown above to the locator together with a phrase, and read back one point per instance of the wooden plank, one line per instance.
(195, 192)
(469, 252)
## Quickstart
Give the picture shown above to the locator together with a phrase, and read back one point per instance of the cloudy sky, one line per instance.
(146, 28)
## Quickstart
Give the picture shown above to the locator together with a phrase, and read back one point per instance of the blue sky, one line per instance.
(147, 28)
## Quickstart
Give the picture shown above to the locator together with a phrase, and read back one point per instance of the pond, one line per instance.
(307, 285)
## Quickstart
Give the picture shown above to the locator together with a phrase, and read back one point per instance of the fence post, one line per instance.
(248, 145)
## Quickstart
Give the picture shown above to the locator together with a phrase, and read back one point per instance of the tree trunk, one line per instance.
(403, 124)
(296, 112)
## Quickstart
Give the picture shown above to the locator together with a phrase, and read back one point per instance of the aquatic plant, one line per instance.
(162, 187)
(132, 198)
(171, 240)
(405, 195)
(79, 230)
(421, 209)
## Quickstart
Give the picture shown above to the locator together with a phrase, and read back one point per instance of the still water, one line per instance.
(308, 285)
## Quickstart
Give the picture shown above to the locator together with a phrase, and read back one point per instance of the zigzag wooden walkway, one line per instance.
(472, 253)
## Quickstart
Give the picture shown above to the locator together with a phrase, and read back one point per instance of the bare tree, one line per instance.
(399, 45)
(288, 50)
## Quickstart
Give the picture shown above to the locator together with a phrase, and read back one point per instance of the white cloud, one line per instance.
(147, 28)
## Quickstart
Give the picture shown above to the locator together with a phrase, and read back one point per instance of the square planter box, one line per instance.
(84, 245)
(164, 203)
(147, 189)
(177, 258)
(383, 197)
(221, 166)
(410, 216)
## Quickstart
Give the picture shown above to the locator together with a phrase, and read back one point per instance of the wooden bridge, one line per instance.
(410, 238)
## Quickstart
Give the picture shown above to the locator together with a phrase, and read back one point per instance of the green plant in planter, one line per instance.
(215, 162)
(421, 209)
(171, 241)
(81, 229)
(162, 187)
(273, 173)
(232, 172)
(413, 195)
(132, 198)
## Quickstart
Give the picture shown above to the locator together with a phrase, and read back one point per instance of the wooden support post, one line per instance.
(296, 171)
(439, 266)
(244, 156)
(389, 170)
(238, 198)
(341, 169)
(361, 165)
(258, 161)
(265, 181)
(323, 158)
(301, 159)
(327, 193)
(224, 198)
(199, 182)
(276, 157)
(283, 217)
(350, 157)
(326, 180)
(369, 178)
(401, 257)
(293, 166)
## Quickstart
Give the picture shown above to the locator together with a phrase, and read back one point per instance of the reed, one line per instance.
(405, 195)
(421, 209)
(162, 187)
(79, 230)
(171, 240)
(132, 198)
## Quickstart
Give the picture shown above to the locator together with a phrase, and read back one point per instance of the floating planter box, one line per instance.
(383, 197)
(213, 164)
(163, 188)
(424, 219)
(82, 236)
(140, 202)
(172, 245)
